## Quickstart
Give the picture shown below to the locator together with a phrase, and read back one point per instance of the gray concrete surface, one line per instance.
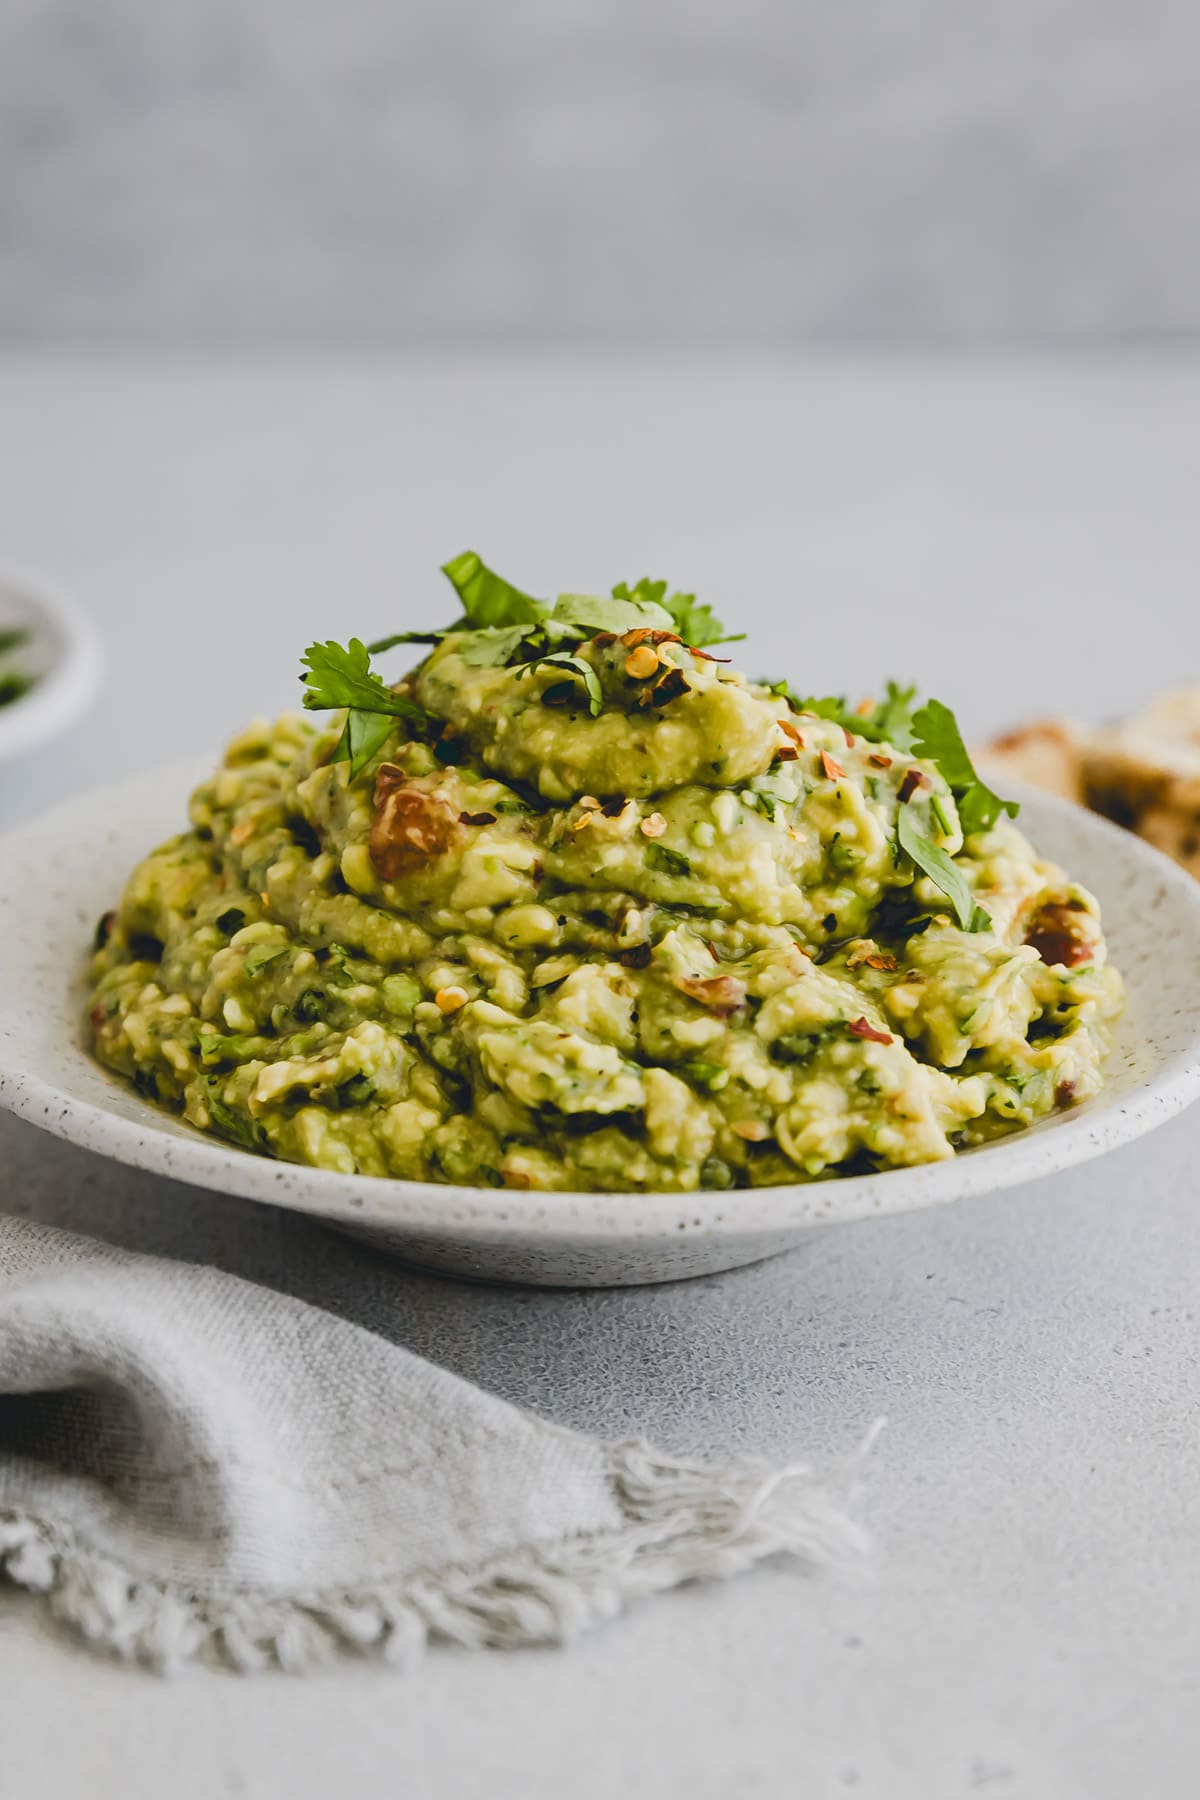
(747, 171)
(1019, 535)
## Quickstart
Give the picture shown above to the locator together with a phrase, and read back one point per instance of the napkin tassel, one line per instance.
(681, 1521)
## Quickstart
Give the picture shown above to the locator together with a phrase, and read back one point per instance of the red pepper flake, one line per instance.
(913, 780)
(646, 634)
(880, 760)
(862, 1028)
(479, 818)
(1064, 1094)
(833, 770)
(881, 960)
(849, 737)
(798, 738)
(673, 686)
(721, 994)
(788, 753)
(705, 657)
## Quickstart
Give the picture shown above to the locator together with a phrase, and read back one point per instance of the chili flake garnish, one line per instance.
(862, 1028)
(913, 780)
(833, 770)
(880, 760)
(479, 818)
(721, 994)
(673, 684)
(646, 634)
(636, 957)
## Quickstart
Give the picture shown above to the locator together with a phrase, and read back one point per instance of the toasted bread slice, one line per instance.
(1176, 829)
(1047, 753)
(1146, 772)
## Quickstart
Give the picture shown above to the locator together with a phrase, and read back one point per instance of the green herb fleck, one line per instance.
(247, 1133)
(259, 955)
(710, 1076)
(354, 1091)
(667, 861)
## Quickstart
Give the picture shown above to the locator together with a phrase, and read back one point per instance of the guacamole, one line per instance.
(576, 905)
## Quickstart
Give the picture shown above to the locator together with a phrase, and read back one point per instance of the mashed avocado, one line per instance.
(578, 906)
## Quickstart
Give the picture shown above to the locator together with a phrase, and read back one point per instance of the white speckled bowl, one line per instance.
(60, 872)
(62, 655)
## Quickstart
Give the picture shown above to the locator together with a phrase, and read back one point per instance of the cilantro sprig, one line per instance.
(888, 722)
(341, 675)
(932, 733)
(501, 623)
(937, 738)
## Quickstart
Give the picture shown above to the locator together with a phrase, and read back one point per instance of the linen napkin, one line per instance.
(192, 1464)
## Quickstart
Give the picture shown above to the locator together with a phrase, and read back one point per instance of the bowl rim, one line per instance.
(163, 1144)
(67, 686)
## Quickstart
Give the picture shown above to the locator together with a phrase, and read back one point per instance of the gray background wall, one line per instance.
(591, 170)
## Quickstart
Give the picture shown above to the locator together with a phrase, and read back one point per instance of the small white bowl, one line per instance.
(62, 656)
(59, 872)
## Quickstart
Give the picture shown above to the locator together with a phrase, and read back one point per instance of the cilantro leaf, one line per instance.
(341, 675)
(595, 612)
(362, 735)
(937, 738)
(491, 646)
(941, 870)
(697, 625)
(487, 599)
